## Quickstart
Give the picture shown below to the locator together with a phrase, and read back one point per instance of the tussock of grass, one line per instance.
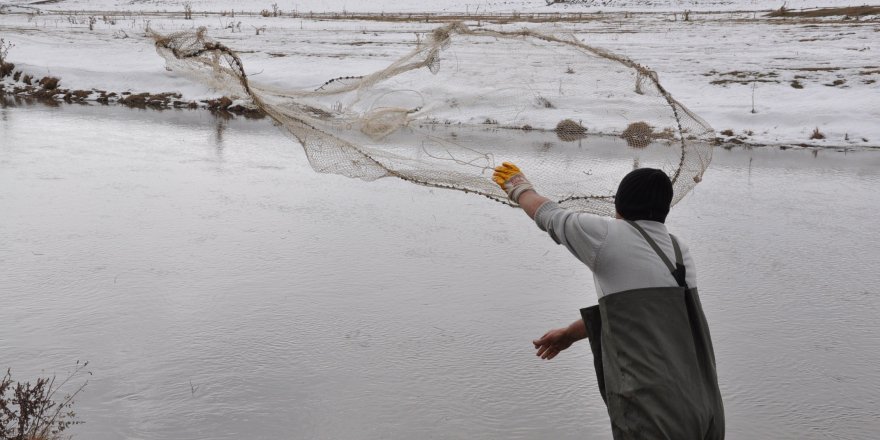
(817, 135)
(50, 82)
(568, 130)
(6, 69)
(638, 134)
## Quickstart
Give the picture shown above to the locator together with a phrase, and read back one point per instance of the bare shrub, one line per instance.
(5, 68)
(817, 135)
(36, 411)
(27, 79)
(4, 49)
(187, 11)
(265, 13)
(275, 10)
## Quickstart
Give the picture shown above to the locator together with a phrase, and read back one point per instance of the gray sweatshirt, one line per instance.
(618, 255)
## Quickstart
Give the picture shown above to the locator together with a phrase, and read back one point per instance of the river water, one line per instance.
(221, 289)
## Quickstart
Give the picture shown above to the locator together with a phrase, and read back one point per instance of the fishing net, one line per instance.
(574, 117)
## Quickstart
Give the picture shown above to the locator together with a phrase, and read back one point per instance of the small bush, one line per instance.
(817, 134)
(35, 411)
(27, 79)
(6, 69)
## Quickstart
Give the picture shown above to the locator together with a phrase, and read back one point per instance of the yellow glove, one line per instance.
(512, 181)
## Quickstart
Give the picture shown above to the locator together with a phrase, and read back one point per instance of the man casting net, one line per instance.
(444, 115)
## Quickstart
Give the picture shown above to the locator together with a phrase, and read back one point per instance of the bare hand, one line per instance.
(553, 342)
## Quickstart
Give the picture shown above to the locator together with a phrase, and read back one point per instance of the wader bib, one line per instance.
(654, 360)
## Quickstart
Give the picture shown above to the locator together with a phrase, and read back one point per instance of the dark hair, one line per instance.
(644, 194)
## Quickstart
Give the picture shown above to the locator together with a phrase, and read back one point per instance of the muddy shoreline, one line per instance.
(222, 108)
(48, 90)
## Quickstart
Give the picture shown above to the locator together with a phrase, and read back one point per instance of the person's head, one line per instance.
(644, 194)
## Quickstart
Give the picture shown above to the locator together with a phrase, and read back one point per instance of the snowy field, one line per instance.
(754, 79)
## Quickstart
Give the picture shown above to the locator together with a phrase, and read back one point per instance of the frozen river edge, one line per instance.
(756, 80)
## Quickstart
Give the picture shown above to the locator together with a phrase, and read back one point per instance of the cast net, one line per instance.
(574, 117)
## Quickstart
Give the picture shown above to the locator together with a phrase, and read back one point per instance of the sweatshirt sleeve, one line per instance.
(581, 233)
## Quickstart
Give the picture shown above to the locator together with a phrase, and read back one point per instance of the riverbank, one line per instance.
(757, 80)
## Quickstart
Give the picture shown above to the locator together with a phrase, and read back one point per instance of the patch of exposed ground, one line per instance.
(742, 77)
(48, 90)
(854, 11)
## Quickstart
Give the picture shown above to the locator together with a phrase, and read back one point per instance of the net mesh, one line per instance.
(574, 117)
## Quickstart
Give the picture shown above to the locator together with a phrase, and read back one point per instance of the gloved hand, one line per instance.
(512, 181)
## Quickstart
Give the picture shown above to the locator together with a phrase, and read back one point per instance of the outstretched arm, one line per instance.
(582, 233)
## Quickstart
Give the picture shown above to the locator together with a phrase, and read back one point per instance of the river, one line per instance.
(221, 289)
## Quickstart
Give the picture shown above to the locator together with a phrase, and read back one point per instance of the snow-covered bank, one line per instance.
(415, 6)
(765, 80)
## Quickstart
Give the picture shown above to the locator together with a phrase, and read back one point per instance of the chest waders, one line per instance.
(654, 360)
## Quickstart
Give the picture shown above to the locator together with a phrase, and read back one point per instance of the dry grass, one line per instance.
(854, 11)
(817, 135)
(145, 100)
(568, 130)
(544, 102)
(50, 82)
(638, 134)
(6, 69)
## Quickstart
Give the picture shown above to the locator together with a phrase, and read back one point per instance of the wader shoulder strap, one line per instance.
(678, 270)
